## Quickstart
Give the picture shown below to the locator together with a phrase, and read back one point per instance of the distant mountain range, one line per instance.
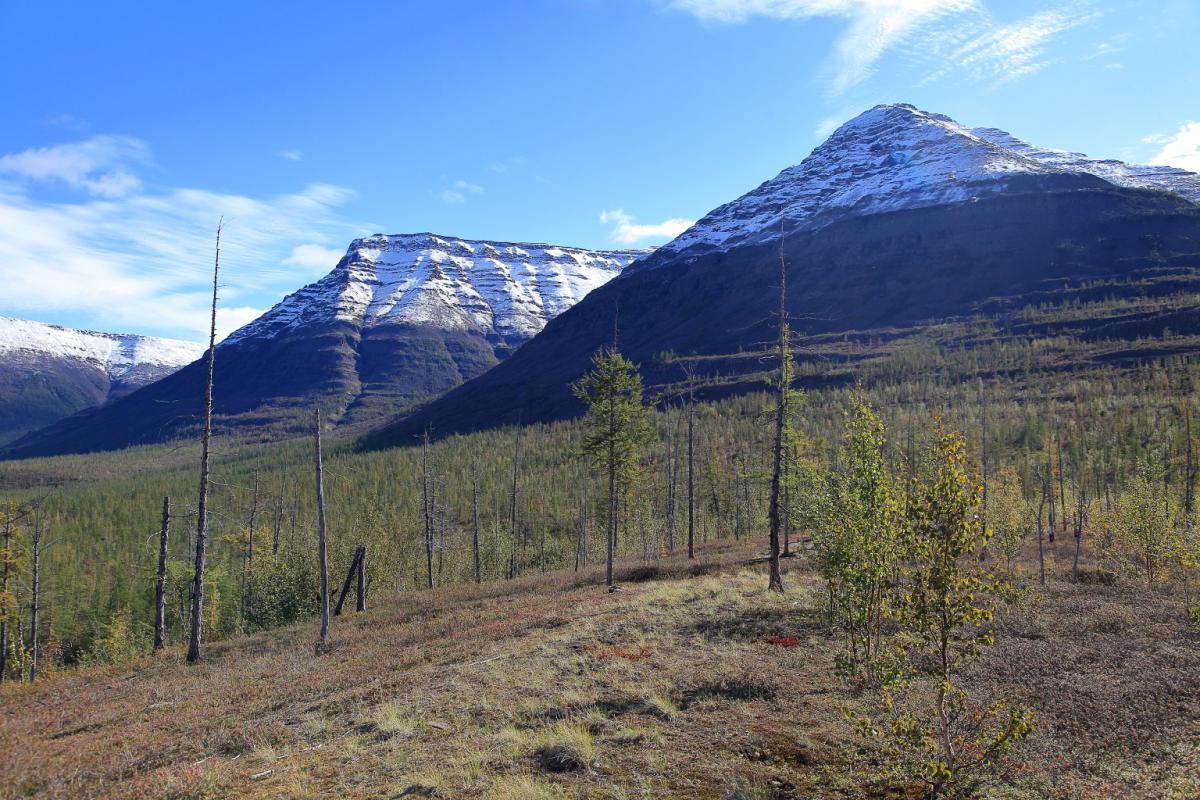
(399, 320)
(49, 372)
(900, 218)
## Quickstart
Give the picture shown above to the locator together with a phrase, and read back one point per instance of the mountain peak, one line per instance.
(894, 157)
(505, 291)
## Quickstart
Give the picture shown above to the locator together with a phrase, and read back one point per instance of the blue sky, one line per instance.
(129, 128)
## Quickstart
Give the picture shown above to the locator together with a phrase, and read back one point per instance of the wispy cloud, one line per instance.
(459, 191)
(290, 155)
(1180, 150)
(1003, 53)
(627, 231)
(874, 26)
(959, 36)
(101, 165)
(139, 259)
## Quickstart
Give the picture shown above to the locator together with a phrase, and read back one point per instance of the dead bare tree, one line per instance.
(514, 566)
(427, 508)
(475, 520)
(13, 515)
(322, 530)
(35, 546)
(193, 653)
(160, 583)
(1045, 482)
(775, 581)
(1189, 489)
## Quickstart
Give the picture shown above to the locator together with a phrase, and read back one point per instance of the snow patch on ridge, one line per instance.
(895, 157)
(498, 289)
(117, 354)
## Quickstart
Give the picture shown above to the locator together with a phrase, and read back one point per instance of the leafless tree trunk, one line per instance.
(1041, 545)
(322, 531)
(160, 583)
(361, 600)
(1080, 514)
(514, 566)
(278, 525)
(1189, 490)
(1049, 488)
(35, 596)
(672, 468)
(1062, 491)
(581, 550)
(781, 397)
(475, 521)
(427, 506)
(193, 653)
(7, 555)
(355, 570)
(691, 477)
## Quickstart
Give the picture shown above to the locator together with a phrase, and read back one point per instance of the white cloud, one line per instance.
(875, 26)
(627, 231)
(99, 165)
(458, 192)
(290, 155)
(960, 36)
(995, 54)
(313, 256)
(142, 260)
(1016, 50)
(1181, 150)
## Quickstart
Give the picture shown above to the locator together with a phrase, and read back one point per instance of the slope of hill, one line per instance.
(48, 372)
(681, 686)
(901, 219)
(399, 320)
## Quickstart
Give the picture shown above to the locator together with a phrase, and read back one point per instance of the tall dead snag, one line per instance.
(783, 379)
(1045, 481)
(475, 521)
(322, 530)
(1080, 520)
(160, 583)
(672, 467)
(35, 542)
(1189, 489)
(691, 473)
(427, 506)
(12, 514)
(193, 653)
(513, 564)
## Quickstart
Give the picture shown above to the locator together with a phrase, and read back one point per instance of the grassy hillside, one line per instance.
(549, 687)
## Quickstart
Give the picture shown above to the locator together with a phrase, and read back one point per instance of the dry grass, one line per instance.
(669, 689)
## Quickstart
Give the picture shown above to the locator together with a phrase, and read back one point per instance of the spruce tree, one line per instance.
(617, 428)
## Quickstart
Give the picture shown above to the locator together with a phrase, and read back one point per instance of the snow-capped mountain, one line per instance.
(399, 320)
(503, 291)
(902, 217)
(48, 372)
(897, 157)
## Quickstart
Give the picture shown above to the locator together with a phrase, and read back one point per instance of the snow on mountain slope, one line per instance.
(1172, 179)
(895, 157)
(117, 355)
(502, 290)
